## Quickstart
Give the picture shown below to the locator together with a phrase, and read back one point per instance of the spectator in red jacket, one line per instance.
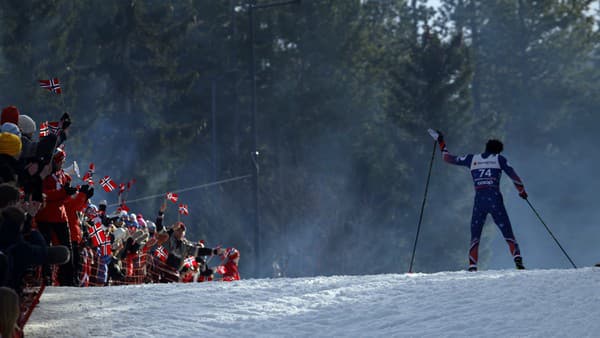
(229, 270)
(74, 205)
(52, 219)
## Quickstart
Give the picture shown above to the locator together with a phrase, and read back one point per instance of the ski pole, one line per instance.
(551, 234)
(412, 258)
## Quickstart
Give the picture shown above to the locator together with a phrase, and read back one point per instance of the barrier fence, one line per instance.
(96, 270)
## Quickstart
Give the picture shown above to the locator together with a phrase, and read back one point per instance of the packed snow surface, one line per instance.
(501, 303)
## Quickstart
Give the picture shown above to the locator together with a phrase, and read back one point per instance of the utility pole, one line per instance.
(253, 6)
(213, 110)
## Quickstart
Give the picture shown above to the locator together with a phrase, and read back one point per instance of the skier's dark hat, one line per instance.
(494, 146)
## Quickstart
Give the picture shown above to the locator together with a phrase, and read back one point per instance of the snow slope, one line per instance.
(532, 303)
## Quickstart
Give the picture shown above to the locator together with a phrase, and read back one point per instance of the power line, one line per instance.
(205, 185)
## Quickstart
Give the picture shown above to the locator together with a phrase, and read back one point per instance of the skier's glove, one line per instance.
(435, 134)
(439, 137)
(523, 194)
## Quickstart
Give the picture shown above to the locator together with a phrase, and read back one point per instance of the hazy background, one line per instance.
(345, 93)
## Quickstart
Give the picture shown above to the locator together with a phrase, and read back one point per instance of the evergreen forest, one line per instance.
(163, 92)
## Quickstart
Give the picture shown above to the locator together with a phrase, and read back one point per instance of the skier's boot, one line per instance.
(472, 268)
(519, 263)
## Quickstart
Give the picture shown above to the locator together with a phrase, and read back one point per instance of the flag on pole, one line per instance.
(190, 263)
(130, 183)
(108, 184)
(52, 85)
(97, 234)
(89, 174)
(123, 207)
(47, 128)
(161, 253)
(183, 209)
(173, 197)
(106, 247)
(44, 130)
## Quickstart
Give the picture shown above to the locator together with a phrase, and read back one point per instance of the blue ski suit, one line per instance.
(486, 171)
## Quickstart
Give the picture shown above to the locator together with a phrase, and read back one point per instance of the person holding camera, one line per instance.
(178, 246)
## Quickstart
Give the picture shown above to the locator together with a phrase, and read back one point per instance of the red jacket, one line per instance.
(73, 204)
(54, 212)
(229, 271)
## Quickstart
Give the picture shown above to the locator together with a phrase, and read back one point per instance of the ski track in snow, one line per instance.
(532, 303)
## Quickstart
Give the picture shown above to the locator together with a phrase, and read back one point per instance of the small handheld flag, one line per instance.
(173, 197)
(89, 174)
(47, 128)
(190, 263)
(108, 184)
(106, 248)
(123, 207)
(161, 253)
(52, 85)
(97, 234)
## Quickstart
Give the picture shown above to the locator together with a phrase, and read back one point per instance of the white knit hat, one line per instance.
(26, 124)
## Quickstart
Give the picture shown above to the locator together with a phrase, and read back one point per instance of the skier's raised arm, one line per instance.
(446, 156)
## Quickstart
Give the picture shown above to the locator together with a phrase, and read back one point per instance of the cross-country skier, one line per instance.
(486, 171)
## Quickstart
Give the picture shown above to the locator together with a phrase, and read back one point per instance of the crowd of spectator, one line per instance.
(50, 228)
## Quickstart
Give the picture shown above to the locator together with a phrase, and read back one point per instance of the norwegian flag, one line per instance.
(106, 248)
(121, 188)
(89, 174)
(221, 270)
(130, 183)
(173, 197)
(123, 207)
(108, 184)
(52, 85)
(44, 129)
(183, 209)
(190, 262)
(161, 253)
(47, 128)
(97, 234)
